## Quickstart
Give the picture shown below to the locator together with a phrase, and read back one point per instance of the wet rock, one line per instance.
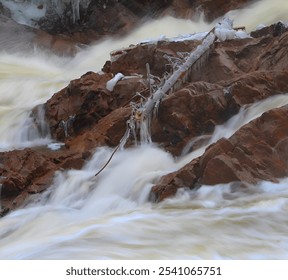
(20, 170)
(198, 107)
(212, 9)
(74, 108)
(62, 45)
(85, 101)
(4, 11)
(191, 111)
(30, 171)
(275, 55)
(276, 29)
(256, 152)
(92, 20)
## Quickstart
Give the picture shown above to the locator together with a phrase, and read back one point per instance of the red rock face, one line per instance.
(211, 9)
(85, 115)
(258, 151)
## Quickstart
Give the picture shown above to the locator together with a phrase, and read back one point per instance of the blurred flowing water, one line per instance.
(109, 217)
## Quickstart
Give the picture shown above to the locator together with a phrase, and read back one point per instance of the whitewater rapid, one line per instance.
(109, 217)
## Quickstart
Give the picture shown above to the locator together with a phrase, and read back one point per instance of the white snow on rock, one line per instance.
(260, 26)
(224, 30)
(111, 83)
(55, 146)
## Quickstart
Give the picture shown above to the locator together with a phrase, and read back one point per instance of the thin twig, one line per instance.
(115, 150)
(120, 145)
(139, 95)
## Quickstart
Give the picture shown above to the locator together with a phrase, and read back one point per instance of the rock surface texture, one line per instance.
(257, 151)
(236, 73)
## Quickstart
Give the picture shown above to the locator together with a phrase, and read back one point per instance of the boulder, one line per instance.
(85, 101)
(30, 171)
(256, 152)
(237, 57)
(198, 107)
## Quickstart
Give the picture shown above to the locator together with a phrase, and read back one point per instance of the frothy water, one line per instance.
(109, 217)
(261, 12)
(82, 216)
(210, 223)
(246, 114)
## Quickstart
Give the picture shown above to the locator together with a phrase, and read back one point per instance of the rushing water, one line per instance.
(108, 216)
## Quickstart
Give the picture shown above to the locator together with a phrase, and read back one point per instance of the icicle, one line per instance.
(149, 77)
(67, 125)
(124, 139)
(132, 128)
(58, 7)
(41, 121)
(75, 10)
(145, 131)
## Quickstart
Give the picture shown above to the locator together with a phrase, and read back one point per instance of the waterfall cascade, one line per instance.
(109, 216)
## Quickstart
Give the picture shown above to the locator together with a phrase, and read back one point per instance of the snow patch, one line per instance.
(55, 146)
(241, 34)
(189, 37)
(111, 83)
(224, 30)
(260, 26)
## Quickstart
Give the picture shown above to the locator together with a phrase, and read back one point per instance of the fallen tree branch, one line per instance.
(141, 112)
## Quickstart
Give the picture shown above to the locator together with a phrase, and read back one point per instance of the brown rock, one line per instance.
(30, 171)
(108, 131)
(76, 107)
(198, 107)
(255, 152)
(134, 59)
(59, 44)
(85, 101)
(212, 9)
(276, 29)
(237, 57)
